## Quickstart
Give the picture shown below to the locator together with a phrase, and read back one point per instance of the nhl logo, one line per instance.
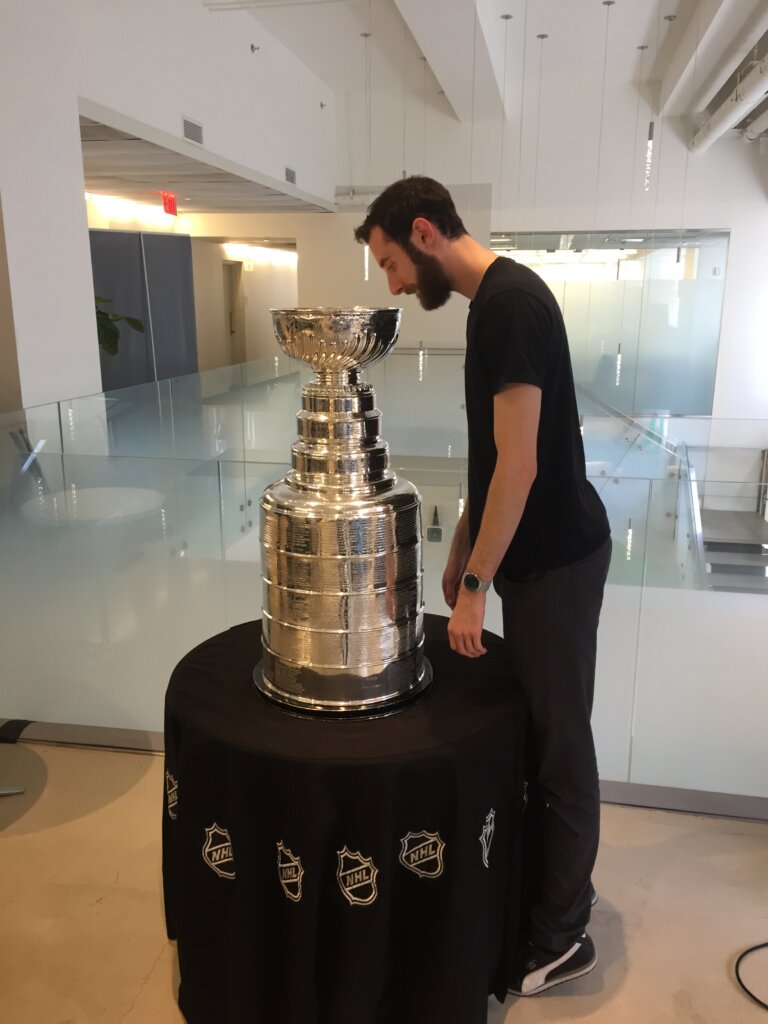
(172, 794)
(217, 851)
(422, 853)
(290, 872)
(357, 877)
(486, 836)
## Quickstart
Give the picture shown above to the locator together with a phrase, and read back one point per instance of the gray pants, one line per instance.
(550, 627)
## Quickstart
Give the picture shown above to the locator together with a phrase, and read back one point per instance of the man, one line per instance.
(533, 525)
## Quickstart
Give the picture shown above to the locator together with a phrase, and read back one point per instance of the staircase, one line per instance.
(736, 550)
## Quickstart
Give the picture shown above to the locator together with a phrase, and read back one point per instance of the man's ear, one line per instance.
(423, 234)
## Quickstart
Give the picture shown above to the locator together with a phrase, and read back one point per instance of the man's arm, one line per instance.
(516, 410)
(457, 559)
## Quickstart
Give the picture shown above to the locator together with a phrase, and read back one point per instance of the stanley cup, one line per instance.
(343, 612)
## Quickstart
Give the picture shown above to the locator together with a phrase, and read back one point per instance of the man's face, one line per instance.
(410, 270)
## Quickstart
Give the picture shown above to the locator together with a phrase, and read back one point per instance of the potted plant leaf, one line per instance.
(106, 323)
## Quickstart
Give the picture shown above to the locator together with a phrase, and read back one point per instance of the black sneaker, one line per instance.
(540, 969)
(593, 899)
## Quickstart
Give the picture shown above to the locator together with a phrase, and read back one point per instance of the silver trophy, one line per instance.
(343, 609)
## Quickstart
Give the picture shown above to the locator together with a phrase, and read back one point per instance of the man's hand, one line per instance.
(466, 624)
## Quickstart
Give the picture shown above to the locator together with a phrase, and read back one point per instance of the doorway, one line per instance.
(234, 310)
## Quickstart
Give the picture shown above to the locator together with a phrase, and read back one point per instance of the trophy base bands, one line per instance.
(309, 707)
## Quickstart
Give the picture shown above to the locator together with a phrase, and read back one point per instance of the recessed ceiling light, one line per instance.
(633, 239)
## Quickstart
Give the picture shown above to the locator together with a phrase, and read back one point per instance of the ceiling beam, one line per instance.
(745, 97)
(444, 31)
(735, 47)
(699, 44)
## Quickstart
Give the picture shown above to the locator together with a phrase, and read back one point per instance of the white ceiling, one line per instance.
(464, 57)
(117, 163)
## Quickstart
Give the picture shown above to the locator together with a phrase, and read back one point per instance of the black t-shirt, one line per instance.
(516, 335)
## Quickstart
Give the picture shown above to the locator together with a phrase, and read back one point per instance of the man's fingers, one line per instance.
(466, 644)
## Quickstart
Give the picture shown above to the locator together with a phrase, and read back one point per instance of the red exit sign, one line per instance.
(169, 202)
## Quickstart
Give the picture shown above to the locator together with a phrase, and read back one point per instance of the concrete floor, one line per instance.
(83, 939)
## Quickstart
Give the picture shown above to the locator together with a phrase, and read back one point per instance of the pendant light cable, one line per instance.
(474, 83)
(520, 133)
(507, 18)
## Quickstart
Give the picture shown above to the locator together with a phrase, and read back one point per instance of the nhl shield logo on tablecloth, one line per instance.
(290, 872)
(172, 794)
(357, 877)
(422, 853)
(486, 836)
(217, 851)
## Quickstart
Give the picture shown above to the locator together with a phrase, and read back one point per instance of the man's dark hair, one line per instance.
(395, 210)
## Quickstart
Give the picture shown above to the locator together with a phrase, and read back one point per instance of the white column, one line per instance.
(46, 230)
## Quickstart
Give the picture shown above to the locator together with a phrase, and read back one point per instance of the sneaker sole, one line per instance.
(571, 976)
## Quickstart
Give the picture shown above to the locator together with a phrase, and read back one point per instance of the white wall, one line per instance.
(149, 64)
(331, 270)
(270, 283)
(577, 165)
(10, 391)
(701, 705)
(213, 345)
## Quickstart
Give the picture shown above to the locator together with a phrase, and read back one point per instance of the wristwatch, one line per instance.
(473, 582)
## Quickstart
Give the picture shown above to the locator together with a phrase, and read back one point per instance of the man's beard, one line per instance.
(432, 285)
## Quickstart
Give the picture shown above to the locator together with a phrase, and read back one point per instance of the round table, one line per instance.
(355, 871)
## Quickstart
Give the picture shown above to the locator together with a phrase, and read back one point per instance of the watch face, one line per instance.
(471, 582)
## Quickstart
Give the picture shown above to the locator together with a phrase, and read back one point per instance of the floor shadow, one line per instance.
(49, 800)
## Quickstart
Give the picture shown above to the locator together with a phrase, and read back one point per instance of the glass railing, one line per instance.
(129, 532)
(115, 566)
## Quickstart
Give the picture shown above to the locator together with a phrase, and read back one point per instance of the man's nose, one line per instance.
(395, 286)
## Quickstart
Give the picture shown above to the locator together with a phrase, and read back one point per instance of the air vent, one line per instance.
(193, 131)
(290, 175)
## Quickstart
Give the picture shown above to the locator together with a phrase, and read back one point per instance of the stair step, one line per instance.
(725, 568)
(727, 527)
(740, 585)
(755, 561)
(736, 547)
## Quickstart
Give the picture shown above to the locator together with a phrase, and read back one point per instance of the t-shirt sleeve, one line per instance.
(514, 339)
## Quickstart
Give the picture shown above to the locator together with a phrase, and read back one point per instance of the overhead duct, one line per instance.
(750, 35)
(745, 97)
(756, 128)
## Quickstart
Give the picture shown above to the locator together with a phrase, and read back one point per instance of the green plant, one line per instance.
(106, 324)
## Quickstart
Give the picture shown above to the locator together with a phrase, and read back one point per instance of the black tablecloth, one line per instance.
(342, 872)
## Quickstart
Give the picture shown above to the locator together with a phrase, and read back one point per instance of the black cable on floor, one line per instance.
(743, 956)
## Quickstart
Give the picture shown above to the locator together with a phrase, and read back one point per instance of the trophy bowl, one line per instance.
(336, 339)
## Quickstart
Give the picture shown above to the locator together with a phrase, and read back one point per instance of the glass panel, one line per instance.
(271, 400)
(421, 395)
(642, 311)
(28, 429)
(679, 338)
(134, 421)
(112, 571)
(626, 502)
(243, 484)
